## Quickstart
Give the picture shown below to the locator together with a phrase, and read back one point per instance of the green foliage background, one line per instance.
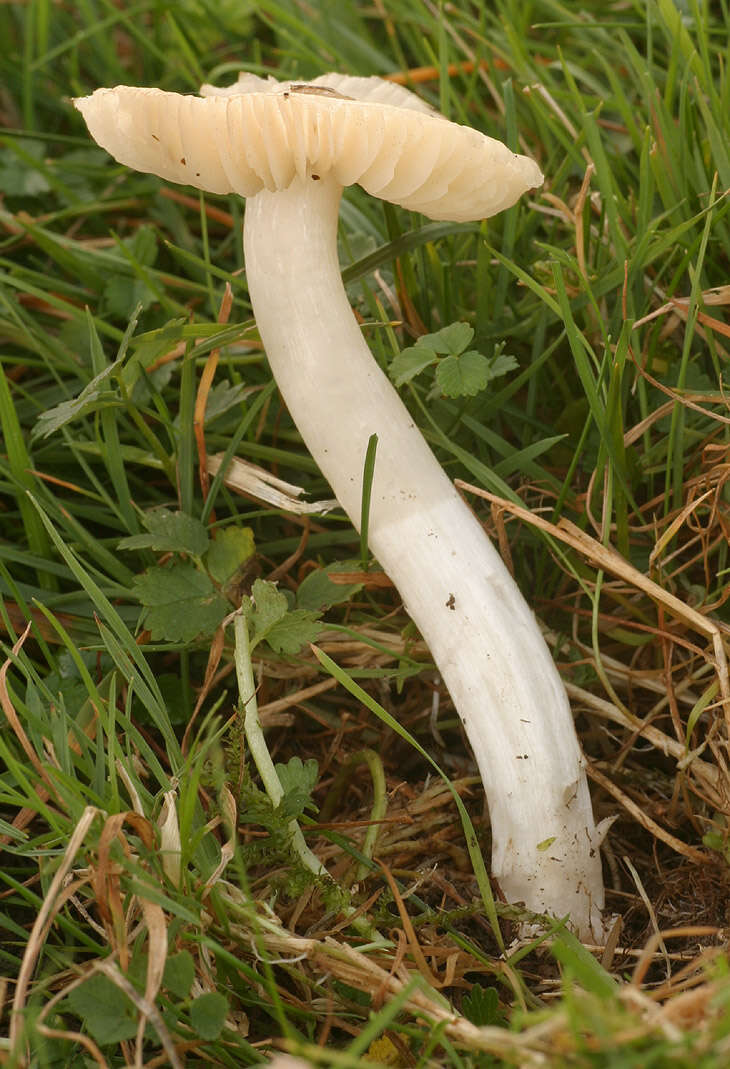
(126, 569)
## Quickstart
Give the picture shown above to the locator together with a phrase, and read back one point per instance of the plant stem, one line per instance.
(257, 742)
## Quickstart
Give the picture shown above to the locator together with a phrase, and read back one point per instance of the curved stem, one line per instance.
(257, 743)
(454, 585)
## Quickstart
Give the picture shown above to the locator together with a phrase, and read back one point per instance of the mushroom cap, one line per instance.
(376, 90)
(262, 134)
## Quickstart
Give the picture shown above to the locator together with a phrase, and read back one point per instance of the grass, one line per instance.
(151, 906)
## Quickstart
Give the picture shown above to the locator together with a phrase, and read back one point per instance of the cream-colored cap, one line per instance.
(261, 134)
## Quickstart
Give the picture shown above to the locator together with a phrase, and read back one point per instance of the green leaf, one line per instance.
(208, 1014)
(298, 775)
(17, 176)
(222, 398)
(298, 780)
(142, 245)
(105, 1010)
(298, 628)
(170, 532)
(122, 294)
(179, 973)
(501, 365)
(452, 339)
(150, 346)
(124, 290)
(268, 607)
(228, 552)
(713, 840)
(481, 1006)
(181, 602)
(318, 592)
(410, 362)
(269, 619)
(95, 394)
(463, 376)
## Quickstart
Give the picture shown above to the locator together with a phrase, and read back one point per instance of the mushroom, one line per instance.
(290, 149)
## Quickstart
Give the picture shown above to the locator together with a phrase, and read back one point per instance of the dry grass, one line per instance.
(138, 853)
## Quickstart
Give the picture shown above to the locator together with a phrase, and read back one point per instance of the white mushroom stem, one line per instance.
(482, 635)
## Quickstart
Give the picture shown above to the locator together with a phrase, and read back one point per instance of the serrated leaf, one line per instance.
(462, 376)
(17, 176)
(208, 1014)
(298, 628)
(95, 395)
(122, 294)
(223, 397)
(410, 362)
(106, 1011)
(501, 365)
(451, 340)
(317, 591)
(228, 552)
(181, 602)
(298, 779)
(270, 619)
(269, 606)
(481, 1006)
(298, 774)
(170, 532)
(179, 973)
